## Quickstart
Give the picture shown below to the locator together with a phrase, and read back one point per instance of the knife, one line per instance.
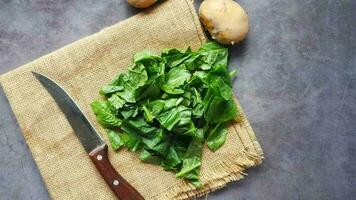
(93, 143)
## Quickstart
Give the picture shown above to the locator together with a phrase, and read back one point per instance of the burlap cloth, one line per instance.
(82, 68)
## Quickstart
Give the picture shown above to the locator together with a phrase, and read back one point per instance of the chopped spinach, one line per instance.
(167, 106)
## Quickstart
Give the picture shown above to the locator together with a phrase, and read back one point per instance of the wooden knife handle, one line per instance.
(122, 189)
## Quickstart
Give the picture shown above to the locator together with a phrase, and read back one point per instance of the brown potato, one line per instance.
(226, 20)
(141, 3)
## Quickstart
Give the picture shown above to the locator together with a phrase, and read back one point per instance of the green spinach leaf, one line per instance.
(217, 137)
(115, 139)
(104, 114)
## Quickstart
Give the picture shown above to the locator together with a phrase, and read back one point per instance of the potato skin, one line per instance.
(141, 3)
(226, 20)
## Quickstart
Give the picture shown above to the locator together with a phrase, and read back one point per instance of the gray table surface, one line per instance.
(296, 83)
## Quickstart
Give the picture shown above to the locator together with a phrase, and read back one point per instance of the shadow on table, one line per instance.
(233, 190)
(20, 178)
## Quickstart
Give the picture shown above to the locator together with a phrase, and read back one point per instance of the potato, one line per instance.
(226, 20)
(141, 3)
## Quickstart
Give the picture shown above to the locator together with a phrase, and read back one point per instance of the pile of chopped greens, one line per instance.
(167, 106)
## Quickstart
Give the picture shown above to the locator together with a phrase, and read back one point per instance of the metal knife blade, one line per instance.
(82, 127)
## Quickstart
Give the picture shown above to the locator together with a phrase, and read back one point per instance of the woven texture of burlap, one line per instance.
(82, 68)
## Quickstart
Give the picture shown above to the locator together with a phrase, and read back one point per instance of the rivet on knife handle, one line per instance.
(122, 189)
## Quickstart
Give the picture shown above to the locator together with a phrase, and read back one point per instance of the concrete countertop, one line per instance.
(296, 83)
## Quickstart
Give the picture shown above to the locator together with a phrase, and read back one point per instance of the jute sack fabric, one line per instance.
(82, 68)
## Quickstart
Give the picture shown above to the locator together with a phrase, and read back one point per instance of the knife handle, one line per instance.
(122, 189)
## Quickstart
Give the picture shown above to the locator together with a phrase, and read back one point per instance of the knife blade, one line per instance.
(92, 142)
